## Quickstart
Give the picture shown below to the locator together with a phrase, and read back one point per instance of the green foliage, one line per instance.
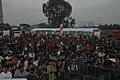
(56, 11)
(109, 27)
(5, 26)
(69, 22)
(24, 26)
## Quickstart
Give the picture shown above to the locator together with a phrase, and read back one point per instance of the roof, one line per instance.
(42, 25)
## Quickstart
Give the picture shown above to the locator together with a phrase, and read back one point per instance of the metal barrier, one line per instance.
(57, 76)
(83, 72)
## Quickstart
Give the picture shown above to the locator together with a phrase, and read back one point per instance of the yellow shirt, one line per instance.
(50, 70)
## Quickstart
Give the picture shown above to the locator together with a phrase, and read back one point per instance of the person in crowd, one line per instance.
(60, 69)
(31, 54)
(5, 74)
(117, 74)
(21, 73)
(1, 59)
(40, 72)
(107, 63)
(51, 70)
(32, 74)
(52, 56)
(81, 59)
(12, 69)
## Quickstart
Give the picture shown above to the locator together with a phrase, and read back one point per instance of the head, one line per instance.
(5, 68)
(11, 68)
(107, 56)
(40, 67)
(52, 53)
(118, 61)
(59, 61)
(54, 62)
(21, 68)
(50, 62)
(30, 65)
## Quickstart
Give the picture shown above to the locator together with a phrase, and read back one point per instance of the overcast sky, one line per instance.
(30, 11)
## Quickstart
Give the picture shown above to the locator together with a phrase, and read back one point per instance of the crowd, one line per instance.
(46, 57)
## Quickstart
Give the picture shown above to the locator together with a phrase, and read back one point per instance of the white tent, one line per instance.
(66, 29)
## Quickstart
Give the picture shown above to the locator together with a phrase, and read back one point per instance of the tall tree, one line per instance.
(56, 11)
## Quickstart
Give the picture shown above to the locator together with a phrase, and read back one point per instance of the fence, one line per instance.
(83, 72)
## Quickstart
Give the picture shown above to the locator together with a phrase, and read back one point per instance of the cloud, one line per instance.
(90, 3)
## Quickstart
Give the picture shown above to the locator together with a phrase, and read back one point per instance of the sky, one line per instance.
(30, 11)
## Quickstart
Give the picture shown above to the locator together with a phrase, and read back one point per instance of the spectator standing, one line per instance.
(5, 74)
(21, 73)
(1, 58)
(51, 70)
(40, 72)
(117, 77)
(60, 70)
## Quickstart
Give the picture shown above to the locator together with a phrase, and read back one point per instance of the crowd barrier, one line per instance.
(83, 72)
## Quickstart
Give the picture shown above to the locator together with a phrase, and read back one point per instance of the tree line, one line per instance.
(109, 27)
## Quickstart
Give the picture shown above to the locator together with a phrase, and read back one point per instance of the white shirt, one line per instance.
(58, 53)
(31, 55)
(1, 58)
(26, 64)
(8, 57)
(101, 54)
(35, 63)
(7, 75)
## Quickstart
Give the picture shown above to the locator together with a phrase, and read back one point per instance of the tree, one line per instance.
(24, 26)
(5, 26)
(56, 11)
(69, 22)
(109, 27)
(72, 23)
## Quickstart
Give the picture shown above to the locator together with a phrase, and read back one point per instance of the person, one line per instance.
(60, 69)
(40, 72)
(31, 55)
(12, 69)
(1, 58)
(81, 59)
(107, 63)
(51, 70)
(5, 74)
(52, 56)
(32, 74)
(117, 76)
(21, 73)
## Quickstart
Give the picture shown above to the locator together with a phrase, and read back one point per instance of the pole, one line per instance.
(61, 30)
(1, 12)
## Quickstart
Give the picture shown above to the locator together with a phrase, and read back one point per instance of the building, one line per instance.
(1, 12)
